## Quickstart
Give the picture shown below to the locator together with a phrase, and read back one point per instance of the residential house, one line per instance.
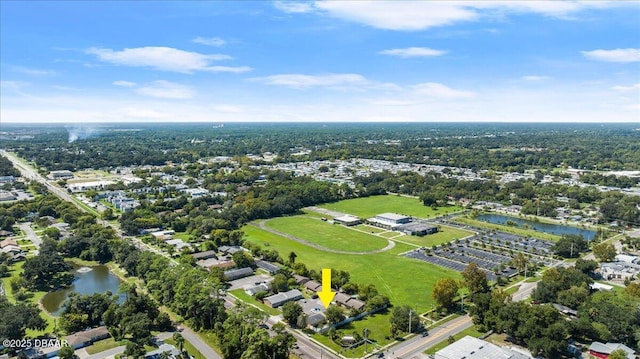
(234, 274)
(87, 337)
(279, 299)
(601, 350)
(313, 286)
(269, 267)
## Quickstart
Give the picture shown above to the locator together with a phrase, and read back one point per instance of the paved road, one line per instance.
(31, 235)
(415, 346)
(524, 291)
(199, 344)
(308, 349)
(29, 172)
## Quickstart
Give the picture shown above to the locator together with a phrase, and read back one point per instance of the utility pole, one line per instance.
(366, 335)
(410, 313)
(571, 255)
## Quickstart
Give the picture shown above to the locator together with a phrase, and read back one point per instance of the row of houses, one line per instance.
(341, 299)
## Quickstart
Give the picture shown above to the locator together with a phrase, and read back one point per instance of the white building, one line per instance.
(474, 348)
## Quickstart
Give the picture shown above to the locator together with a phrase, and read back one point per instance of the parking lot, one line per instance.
(458, 258)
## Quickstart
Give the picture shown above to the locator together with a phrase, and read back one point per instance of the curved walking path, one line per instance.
(262, 226)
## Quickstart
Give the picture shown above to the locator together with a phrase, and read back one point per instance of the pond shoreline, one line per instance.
(539, 226)
(95, 278)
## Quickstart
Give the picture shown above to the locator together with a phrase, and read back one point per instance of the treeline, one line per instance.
(281, 196)
(504, 147)
(536, 198)
(604, 316)
(7, 169)
(610, 181)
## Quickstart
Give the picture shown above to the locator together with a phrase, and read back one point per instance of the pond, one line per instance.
(88, 280)
(552, 228)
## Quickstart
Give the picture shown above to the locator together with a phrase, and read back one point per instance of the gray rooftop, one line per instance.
(283, 297)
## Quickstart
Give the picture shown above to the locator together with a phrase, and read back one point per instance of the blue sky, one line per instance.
(516, 61)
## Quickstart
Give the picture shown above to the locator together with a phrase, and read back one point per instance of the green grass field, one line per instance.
(403, 280)
(367, 207)
(378, 326)
(327, 235)
(472, 331)
(369, 228)
(104, 344)
(14, 271)
(243, 296)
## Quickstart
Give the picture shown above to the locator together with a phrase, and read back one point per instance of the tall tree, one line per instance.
(179, 339)
(475, 279)
(605, 252)
(445, 291)
(520, 261)
(290, 312)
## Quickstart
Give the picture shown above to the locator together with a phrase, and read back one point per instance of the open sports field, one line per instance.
(325, 234)
(366, 207)
(403, 280)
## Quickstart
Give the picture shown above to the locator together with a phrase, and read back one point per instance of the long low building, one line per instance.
(279, 299)
(234, 274)
(389, 220)
(474, 348)
(347, 220)
(417, 229)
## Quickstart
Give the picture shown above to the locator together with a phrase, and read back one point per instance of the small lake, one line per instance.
(88, 280)
(557, 229)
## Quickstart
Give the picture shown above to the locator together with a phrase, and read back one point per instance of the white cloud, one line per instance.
(123, 83)
(616, 55)
(398, 15)
(32, 72)
(209, 41)
(627, 88)
(14, 85)
(66, 88)
(165, 59)
(413, 52)
(293, 7)
(434, 89)
(422, 15)
(166, 89)
(305, 81)
(535, 78)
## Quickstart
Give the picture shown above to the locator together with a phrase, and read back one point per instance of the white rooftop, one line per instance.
(391, 216)
(474, 348)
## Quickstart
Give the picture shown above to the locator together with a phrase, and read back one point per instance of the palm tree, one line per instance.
(292, 257)
(179, 339)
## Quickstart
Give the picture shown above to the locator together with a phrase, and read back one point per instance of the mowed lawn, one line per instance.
(325, 234)
(403, 280)
(378, 325)
(366, 207)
